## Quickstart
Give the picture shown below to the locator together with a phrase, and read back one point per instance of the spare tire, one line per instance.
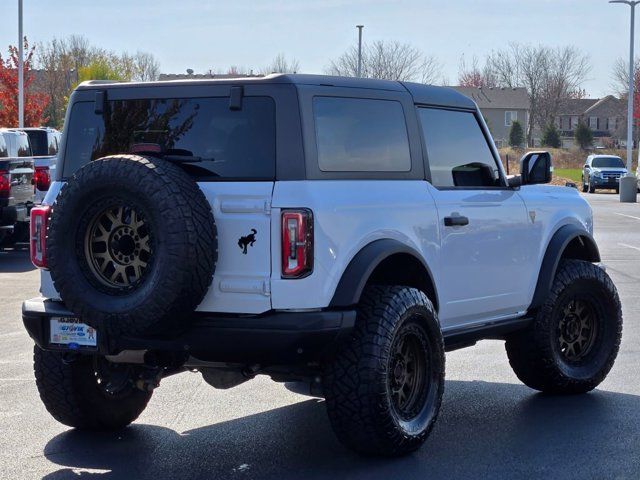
(132, 245)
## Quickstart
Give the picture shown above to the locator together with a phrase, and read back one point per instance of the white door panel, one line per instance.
(241, 283)
(484, 265)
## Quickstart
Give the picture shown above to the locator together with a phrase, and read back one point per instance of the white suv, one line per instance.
(341, 231)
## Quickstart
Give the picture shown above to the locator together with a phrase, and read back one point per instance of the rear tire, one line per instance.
(574, 339)
(74, 392)
(384, 387)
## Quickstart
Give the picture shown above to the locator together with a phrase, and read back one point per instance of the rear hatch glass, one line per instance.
(39, 142)
(228, 144)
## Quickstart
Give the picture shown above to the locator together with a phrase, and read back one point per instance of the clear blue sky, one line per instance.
(205, 35)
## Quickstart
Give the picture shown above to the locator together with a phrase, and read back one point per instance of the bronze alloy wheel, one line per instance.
(409, 372)
(577, 330)
(118, 247)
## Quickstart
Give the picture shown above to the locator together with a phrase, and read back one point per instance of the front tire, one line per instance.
(585, 187)
(592, 189)
(80, 393)
(574, 339)
(384, 387)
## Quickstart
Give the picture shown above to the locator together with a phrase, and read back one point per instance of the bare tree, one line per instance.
(390, 60)
(472, 75)
(280, 64)
(620, 76)
(548, 74)
(146, 67)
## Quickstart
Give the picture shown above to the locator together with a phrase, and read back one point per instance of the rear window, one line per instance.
(4, 152)
(39, 143)
(361, 135)
(231, 144)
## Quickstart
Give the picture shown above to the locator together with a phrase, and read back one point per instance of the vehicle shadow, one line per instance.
(15, 260)
(485, 430)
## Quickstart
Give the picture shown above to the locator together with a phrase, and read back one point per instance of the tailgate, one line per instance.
(19, 172)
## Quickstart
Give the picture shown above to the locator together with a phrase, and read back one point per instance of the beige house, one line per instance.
(606, 117)
(500, 106)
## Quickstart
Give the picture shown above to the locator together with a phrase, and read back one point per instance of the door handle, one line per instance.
(457, 221)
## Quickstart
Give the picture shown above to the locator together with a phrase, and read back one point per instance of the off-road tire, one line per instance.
(356, 382)
(184, 237)
(535, 354)
(71, 394)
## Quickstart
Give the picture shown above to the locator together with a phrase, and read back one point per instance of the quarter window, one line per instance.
(361, 135)
(458, 152)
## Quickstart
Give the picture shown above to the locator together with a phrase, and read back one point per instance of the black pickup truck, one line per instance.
(16, 190)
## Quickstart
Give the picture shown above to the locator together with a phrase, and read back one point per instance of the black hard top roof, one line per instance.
(425, 94)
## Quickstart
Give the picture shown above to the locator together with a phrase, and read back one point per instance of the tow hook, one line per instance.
(149, 380)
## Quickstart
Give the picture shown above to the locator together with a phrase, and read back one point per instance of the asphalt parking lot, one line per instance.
(491, 426)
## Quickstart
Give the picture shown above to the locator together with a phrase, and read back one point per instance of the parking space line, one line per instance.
(625, 215)
(629, 246)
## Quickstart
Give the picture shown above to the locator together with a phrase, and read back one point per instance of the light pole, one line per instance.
(359, 27)
(20, 69)
(628, 184)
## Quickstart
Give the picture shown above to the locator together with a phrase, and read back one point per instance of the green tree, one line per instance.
(516, 135)
(105, 68)
(583, 135)
(551, 136)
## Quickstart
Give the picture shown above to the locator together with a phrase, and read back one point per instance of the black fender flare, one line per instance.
(362, 265)
(555, 249)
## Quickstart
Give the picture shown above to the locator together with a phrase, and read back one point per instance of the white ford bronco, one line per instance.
(343, 232)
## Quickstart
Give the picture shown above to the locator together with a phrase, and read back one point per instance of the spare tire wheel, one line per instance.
(132, 245)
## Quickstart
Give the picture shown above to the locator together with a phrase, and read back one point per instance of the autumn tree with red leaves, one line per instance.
(34, 102)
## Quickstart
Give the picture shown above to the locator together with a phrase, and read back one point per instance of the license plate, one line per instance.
(70, 331)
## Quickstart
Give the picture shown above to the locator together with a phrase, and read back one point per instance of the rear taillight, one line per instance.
(5, 184)
(38, 229)
(42, 178)
(297, 243)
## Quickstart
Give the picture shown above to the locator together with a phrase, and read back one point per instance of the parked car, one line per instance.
(602, 171)
(340, 231)
(45, 143)
(16, 186)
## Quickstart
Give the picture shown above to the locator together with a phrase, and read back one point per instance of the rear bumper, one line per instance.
(275, 337)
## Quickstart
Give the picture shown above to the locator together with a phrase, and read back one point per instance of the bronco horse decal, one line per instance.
(247, 240)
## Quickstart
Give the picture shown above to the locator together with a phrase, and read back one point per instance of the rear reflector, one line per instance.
(297, 243)
(42, 178)
(38, 229)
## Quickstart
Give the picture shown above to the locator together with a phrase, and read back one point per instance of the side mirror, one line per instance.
(535, 168)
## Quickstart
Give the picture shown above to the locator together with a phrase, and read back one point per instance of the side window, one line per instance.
(53, 144)
(4, 152)
(459, 155)
(361, 135)
(24, 148)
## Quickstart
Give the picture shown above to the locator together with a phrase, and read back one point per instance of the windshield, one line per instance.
(607, 162)
(223, 143)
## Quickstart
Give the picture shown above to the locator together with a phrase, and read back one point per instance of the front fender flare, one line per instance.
(362, 265)
(555, 249)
